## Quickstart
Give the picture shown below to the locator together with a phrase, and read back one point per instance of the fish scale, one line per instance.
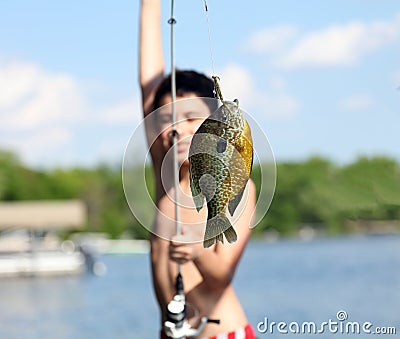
(221, 157)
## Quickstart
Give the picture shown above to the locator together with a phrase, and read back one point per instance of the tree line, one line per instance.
(315, 192)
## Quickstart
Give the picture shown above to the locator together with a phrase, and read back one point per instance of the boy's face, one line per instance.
(190, 113)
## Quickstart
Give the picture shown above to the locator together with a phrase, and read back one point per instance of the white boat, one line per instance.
(28, 246)
(101, 244)
(41, 263)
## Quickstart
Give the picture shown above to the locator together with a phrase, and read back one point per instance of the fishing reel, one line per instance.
(176, 325)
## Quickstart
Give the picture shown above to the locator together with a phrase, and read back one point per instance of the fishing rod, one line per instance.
(176, 326)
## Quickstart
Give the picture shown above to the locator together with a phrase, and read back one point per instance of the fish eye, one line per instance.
(224, 117)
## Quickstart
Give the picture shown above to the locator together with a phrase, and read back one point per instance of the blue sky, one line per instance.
(320, 77)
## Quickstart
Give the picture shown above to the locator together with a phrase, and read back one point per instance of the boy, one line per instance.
(207, 273)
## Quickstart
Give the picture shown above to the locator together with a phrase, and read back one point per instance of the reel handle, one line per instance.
(214, 321)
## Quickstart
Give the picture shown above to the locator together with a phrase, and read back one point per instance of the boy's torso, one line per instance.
(201, 298)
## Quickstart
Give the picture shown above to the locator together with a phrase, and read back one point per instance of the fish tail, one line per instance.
(230, 235)
(215, 229)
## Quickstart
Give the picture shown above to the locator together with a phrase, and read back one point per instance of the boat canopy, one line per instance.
(43, 214)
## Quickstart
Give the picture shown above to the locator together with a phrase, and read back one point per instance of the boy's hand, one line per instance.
(181, 250)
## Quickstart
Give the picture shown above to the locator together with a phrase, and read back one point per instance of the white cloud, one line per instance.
(237, 83)
(272, 102)
(357, 103)
(37, 110)
(342, 44)
(32, 97)
(42, 113)
(39, 145)
(270, 39)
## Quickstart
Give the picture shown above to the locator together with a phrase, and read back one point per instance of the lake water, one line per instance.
(286, 281)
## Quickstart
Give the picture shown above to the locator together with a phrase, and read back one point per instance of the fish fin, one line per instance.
(198, 201)
(215, 228)
(209, 242)
(235, 201)
(230, 235)
(198, 197)
(247, 135)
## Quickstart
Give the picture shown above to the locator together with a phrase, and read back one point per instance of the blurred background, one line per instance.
(320, 78)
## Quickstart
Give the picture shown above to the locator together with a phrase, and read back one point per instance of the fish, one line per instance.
(220, 164)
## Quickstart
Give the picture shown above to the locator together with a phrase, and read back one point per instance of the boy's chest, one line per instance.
(191, 222)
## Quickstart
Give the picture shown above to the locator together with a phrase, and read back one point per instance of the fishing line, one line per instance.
(209, 37)
(217, 90)
(175, 165)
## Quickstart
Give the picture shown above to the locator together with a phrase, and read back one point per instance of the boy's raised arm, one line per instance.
(151, 60)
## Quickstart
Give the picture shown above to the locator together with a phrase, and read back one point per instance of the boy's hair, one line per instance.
(186, 82)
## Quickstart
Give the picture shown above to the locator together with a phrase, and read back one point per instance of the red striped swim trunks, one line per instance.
(246, 332)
